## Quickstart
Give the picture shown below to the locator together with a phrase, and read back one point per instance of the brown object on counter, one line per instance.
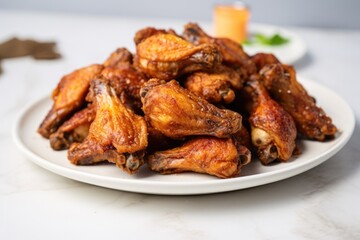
(15, 47)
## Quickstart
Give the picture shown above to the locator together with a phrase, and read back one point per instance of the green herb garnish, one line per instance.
(273, 40)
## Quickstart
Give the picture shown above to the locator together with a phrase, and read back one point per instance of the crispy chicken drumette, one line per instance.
(214, 156)
(273, 130)
(177, 113)
(116, 134)
(166, 56)
(231, 51)
(311, 120)
(215, 86)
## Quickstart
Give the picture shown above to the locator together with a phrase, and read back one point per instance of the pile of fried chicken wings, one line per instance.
(188, 102)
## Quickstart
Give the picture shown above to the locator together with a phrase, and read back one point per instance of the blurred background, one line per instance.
(307, 13)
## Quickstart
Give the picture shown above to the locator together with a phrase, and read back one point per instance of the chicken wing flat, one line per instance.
(118, 58)
(232, 52)
(177, 113)
(273, 131)
(116, 135)
(214, 156)
(166, 56)
(311, 120)
(126, 82)
(73, 130)
(68, 96)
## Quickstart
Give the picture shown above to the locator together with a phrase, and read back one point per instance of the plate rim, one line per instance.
(187, 188)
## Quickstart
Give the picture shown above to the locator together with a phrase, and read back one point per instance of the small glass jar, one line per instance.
(231, 20)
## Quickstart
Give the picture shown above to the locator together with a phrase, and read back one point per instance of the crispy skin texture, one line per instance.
(144, 33)
(166, 56)
(214, 156)
(118, 58)
(74, 129)
(215, 86)
(232, 52)
(212, 87)
(263, 59)
(68, 96)
(177, 113)
(273, 131)
(311, 120)
(126, 82)
(116, 134)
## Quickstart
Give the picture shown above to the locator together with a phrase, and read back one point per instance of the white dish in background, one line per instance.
(38, 150)
(287, 53)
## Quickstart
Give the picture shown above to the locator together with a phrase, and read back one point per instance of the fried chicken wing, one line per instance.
(68, 96)
(116, 135)
(263, 59)
(232, 52)
(166, 56)
(212, 87)
(273, 130)
(118, 58)
(144, 33)
(73, 130)
(214, 156)
(215, 86)
(177, 113)
(311, 120)
(126, 82)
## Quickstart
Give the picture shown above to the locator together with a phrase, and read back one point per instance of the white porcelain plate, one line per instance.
(38, 150)
(287, 53)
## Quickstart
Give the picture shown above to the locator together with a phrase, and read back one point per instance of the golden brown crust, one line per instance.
(311, 120)
(114, 113)
(214, 156)
(273, 130)
(115, 131)
(232, 53)
(177, 113)
(166, 56)
(126, 82)
(68, 96)
(118, 58)
(263, 59)
(216, 86)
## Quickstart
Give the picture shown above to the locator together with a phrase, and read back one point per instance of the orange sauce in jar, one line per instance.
(230, 21)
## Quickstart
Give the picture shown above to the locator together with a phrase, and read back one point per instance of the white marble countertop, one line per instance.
(37, 204)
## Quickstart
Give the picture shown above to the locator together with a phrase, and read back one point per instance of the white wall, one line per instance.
(313, 13)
